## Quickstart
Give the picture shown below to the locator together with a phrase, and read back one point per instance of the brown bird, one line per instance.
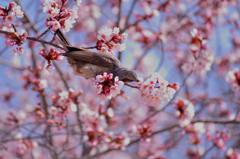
(90, 64)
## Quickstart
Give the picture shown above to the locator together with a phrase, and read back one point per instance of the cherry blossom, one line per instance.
(149, 10)
(95, 136)
(233, 78)
(156, 91)
(110, 40)
(32, 81)
(232, 154)
(23, 147)
(200, 64)
(144, 131)
(39, 114)
(195, 152)
(118, 141)
(87, 16)
(195, 132)
(107, 85)
(50, 56)
(55, 113)
(10, 12)
(59, 17)
(219, 139)
(199, 59)
(15, 39)
(12, 119)
(184, 111)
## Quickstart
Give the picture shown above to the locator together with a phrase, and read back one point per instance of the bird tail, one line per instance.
(66, 43)
(63, 39)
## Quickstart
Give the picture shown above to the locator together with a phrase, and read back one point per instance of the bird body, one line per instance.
(85, 68)
(89, 64)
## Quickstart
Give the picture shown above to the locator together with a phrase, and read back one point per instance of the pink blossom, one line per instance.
(185, 112)
(87, 16)
(105, 120)
(233, 78)
(220, 138)
(12, 10)
(54, 24)
(50, 56)
(197, 41)
(199, 60)
(156, 91)
(144, 131)
(150, 9)
(38, 113)
(110, 40)
(63, 104)
(108, 86)
(52, 7)
(195, 152)
(199, 64)
(232, 154)
(94, 137)
(32, 80)
(118, 141)
(12, 119)
(23, 147)
(16, 38)
(59, 17)
(195, 131)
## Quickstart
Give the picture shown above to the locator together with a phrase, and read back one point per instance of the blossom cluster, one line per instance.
(156, 91)
(144, 131)
(200, 59)
(233, 78)
(219, 139)
(31, 80)
(59, 17)
(110, 40)
(96, 137)
(184, 111)
(194, 131)
(42, 117)
(200, 64)
(12, 119)
(23, 147)
(195, 152)
(10, 12)
(62, 104)
(232, 154)
(15, 38)
(87, 16)
(95, 126)
(150, 9)
(118, 141)
(107, 85)
(50, 56)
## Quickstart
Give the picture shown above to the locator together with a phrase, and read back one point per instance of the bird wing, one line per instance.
(99, 59)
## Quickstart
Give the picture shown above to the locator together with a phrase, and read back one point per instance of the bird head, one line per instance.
(126, 75)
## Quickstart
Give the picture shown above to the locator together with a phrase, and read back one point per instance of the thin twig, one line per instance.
(130, 13)
(33, 39)
(168, 129)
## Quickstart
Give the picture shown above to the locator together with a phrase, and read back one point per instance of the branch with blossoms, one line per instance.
(119, 79)
(169, 128)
